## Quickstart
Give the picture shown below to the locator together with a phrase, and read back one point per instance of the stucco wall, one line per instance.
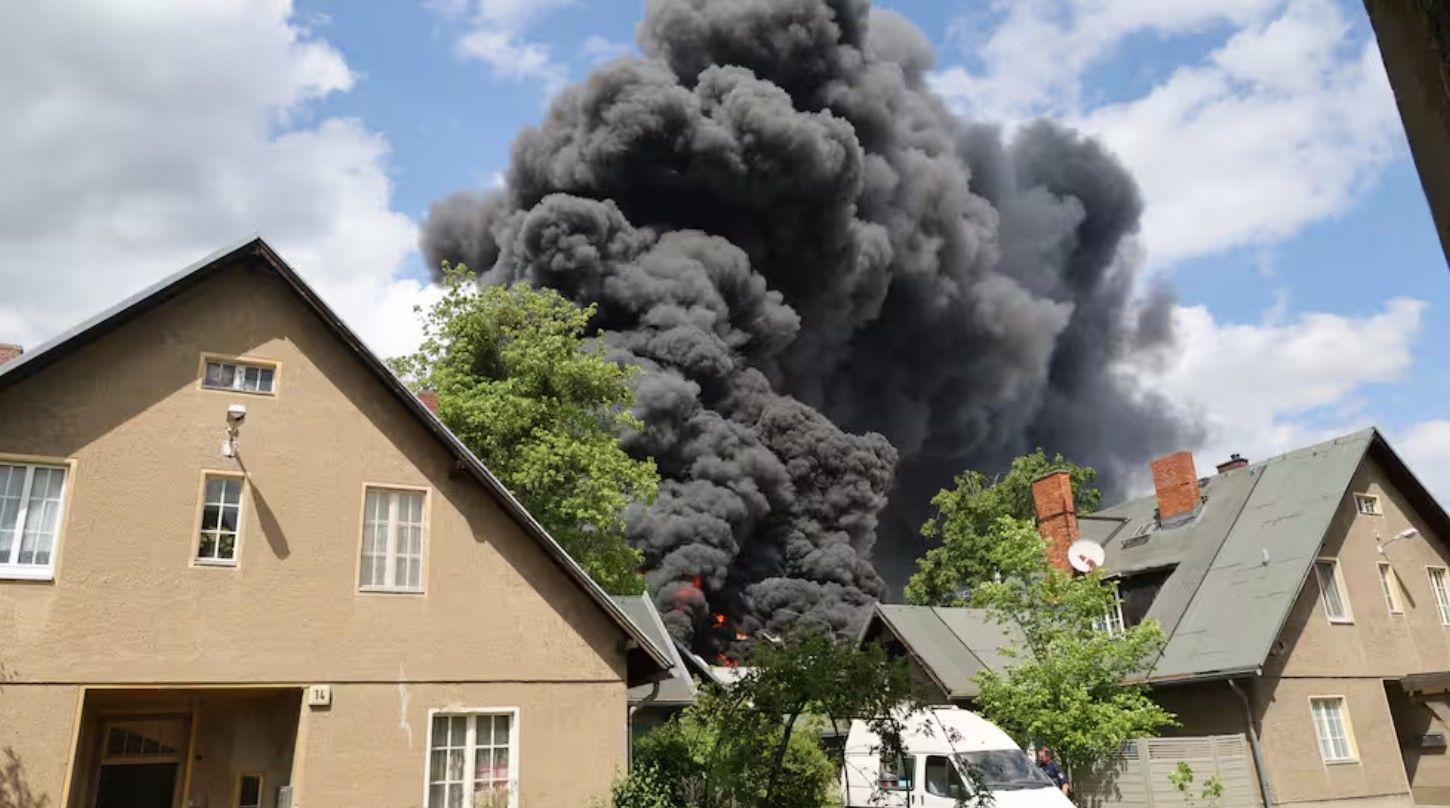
(1354, 659)
(36, 727)
(371, 747)
(127, 605)
(498, 622)
(1291, 751)
(1377, 643)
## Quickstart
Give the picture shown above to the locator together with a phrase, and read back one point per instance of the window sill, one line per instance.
(214, 563)
(1349, 762)
(9, 573)
(1341, 621)
(383, 590)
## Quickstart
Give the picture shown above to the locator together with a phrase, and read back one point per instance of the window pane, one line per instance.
(265, 384)
(206, 546)
(251, 790)
(435, 795)
(42, 516)
(501, 729)
(218, 374)
(1329, 589)
(392, 544)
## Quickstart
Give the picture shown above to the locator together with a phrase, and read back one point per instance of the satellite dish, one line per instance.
(1085, 555)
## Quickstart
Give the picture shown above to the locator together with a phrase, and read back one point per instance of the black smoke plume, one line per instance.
(839, 293)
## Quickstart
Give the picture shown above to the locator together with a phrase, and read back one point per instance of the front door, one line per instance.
(141, 762)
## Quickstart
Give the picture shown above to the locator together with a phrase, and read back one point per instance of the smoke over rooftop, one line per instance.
(839, 294)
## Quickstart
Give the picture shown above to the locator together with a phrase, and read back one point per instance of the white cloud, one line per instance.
(497, 35)
(172, 133)
(1268, 387)
(1425, 446)
(1278, 127)
(599, 49)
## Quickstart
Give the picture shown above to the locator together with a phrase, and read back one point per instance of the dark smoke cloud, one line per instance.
(836, 291)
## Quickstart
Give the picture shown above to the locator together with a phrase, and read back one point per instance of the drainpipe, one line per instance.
(1254, 749)
(654, 692)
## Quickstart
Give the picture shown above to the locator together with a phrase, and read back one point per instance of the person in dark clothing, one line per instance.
(1053, 771)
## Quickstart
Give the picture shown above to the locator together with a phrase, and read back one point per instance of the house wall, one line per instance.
(1356, 659)
(498, 618)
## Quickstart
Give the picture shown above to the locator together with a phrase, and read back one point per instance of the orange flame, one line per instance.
(718, 621)
(727, 661)
(741, 636)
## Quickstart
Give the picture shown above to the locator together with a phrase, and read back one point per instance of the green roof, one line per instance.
(1238, 564)
(1241, 560)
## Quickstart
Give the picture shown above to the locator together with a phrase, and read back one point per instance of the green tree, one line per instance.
(1069, 682)
(967, 521)
(758, 744)
(543, 407)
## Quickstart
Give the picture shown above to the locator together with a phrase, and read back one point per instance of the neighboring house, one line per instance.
(1306, 600)
(944, 647)
(328, 601)
(651, 703)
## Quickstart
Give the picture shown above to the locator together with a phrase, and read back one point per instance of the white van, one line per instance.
(940, 743)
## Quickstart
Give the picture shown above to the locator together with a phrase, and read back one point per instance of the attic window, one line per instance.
(239, 376)
(1368, 504)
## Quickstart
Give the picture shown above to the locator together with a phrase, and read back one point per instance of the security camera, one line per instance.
(236, 413)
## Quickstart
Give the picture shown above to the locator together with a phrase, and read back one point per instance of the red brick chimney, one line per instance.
(429, 399)
(9, 352)
(1176, 483)
(1234, 461)
(1056, 515)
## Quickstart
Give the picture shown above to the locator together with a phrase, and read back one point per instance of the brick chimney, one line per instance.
(429, 399)
(1176, 483)
(9, 352)
(1056, 515)
(1235, 461)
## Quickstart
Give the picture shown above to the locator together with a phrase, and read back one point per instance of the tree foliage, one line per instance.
(757, 744)
(976, 546)
(1069, 682)
(543, 408)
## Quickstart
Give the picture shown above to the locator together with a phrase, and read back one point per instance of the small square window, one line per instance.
(1368, 504)
(243, 377)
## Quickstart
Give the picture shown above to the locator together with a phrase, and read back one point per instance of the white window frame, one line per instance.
(1340, 589)
(1342, 711)
(241, 364)
(196, 557)
(391, 550)
(1112, 621)
(1371, 502)
(1390, 584)
(472, 714)
(1440, 588)
(10, 566)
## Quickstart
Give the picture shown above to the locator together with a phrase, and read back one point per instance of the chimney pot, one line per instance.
(429, 399)
(1176, 483)
(1235, 461)
(1056, 515)
(9, 352)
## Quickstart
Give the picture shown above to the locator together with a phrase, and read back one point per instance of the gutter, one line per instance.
(1265, 792)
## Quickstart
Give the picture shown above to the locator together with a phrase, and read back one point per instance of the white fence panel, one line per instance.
(1137, 776)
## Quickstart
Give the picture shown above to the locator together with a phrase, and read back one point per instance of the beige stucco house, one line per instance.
(1306, 599)
(241, 566)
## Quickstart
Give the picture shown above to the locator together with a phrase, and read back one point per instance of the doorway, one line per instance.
(141, 762)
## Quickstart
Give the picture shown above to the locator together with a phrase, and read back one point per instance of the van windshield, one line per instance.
(1003, 769)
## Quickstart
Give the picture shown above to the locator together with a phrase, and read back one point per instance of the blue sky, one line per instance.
(1282, 205)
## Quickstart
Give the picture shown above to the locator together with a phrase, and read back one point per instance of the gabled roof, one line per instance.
(646, 662)
(1239, 564)
(679, 689)
(951, 645)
